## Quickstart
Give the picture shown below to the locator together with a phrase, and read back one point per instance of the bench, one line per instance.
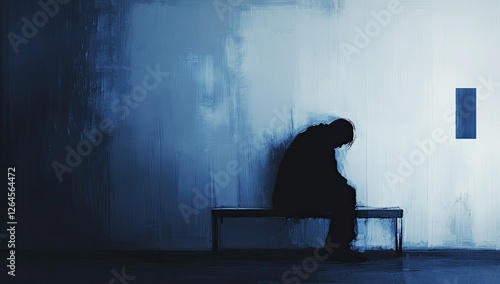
(394, 213)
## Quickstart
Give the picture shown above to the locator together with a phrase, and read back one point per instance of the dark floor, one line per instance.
(254, 266)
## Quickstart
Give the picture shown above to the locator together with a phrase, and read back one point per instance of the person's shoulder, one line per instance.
(310, 133)
(315, 128)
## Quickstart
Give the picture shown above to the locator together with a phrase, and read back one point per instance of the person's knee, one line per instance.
(349, 195)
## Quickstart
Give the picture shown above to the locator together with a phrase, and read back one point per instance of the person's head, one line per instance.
(343, 132)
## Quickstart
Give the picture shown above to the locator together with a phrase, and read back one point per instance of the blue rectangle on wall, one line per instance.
(465, 119)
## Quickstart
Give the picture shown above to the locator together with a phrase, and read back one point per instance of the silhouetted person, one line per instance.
(308, 181)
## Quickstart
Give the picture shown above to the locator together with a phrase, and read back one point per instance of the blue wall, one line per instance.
(128, 120)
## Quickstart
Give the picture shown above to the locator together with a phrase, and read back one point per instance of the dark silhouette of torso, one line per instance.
(308, 179)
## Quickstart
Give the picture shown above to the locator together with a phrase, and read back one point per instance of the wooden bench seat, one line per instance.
(394, 213)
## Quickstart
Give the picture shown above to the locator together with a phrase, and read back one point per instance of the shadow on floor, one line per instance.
(253, 266)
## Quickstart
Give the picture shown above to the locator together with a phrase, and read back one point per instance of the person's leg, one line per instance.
(342, 229)
(342, 225)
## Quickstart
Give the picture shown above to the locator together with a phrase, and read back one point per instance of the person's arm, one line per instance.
(338, 179)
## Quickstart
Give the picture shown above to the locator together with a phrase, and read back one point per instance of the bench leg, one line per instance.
(215, 233)
(396, 236)
(400, 235)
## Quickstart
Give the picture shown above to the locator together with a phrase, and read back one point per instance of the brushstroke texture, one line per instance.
(238, 90)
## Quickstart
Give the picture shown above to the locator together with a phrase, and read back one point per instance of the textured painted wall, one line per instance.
(183, 99)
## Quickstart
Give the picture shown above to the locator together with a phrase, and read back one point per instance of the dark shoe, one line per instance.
(346, 254)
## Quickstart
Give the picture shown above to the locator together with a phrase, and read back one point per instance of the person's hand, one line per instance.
(348, 187)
